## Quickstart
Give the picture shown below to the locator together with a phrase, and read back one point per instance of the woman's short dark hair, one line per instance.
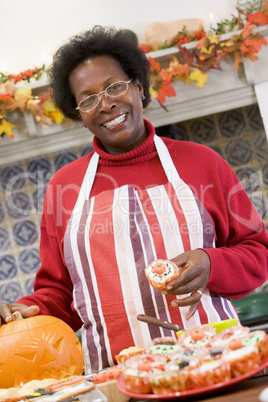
(96, 42)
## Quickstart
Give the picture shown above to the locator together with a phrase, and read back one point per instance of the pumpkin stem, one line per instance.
(17, 316)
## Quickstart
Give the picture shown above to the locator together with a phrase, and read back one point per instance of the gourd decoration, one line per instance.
(36, 348)
(158, 33)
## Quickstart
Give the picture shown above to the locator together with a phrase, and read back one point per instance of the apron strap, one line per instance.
(87, 182)
(166, 160)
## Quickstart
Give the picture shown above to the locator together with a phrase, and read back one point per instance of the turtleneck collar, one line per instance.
(143, 152)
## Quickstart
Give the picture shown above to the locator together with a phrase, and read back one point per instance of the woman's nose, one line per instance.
(105, 103)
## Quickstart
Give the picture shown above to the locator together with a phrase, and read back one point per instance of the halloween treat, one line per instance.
(163, 346)
(258, 338)
(242, 360)
(197, 337)
(127, 353)
(160, 272)
(171, 382)
(209, 373)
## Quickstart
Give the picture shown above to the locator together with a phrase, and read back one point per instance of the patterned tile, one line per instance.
(63, 159)
(254, 117)
(259, 203)
(40, 171)
(238, 152)
(86, 150)
(38, 199)
(18, 205)
(25, 233)
(231, 123)
(203, 130)
(29, 286)
(11, 292)
(8, 268)
(265, 174)
(4, 239)
(12, 177)
(29, 261)
(250, 178)
(2, 213)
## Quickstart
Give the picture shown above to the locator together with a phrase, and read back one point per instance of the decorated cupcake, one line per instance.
(242, 360)
(198, 337)
(163, 346)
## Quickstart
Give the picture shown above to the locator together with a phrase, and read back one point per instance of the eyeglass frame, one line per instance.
(106, 95)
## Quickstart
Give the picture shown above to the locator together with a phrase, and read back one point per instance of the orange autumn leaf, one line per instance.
(254, 42)
(166, 90)
(154, 64)
(258, 18)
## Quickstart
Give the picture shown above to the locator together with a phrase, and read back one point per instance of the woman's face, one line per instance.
(128, 131)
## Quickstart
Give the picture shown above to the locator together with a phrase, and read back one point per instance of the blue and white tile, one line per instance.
(19, 205)
(238, 152)
(8, 267)
(4, 239)
(25, 233)
(64, 158)
(40, 171)
(12, 177)
(29, 260)
(10, 292)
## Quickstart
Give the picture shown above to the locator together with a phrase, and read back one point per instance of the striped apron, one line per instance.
(109, 241)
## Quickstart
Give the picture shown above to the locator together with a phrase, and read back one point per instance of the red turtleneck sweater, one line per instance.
(239, 263)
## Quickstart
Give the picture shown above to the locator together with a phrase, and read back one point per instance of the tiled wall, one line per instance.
(237, 135)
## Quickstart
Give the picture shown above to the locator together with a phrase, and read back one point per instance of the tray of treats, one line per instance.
(197, 362)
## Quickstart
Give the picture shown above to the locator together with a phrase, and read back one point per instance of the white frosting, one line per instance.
(238, 353)
(160, 278)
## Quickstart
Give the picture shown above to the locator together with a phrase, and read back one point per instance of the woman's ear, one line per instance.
(140, 88)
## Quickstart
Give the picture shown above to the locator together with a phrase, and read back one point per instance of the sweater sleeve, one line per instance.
(239, 263)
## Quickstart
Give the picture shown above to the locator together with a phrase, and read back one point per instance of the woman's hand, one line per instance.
(194, 275)
(6, 311)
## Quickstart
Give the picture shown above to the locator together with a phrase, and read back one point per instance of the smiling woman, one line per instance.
(134, 199)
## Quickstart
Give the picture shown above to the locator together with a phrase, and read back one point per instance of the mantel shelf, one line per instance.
(225, 89)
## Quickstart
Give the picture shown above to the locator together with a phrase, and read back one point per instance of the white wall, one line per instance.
(31, 30)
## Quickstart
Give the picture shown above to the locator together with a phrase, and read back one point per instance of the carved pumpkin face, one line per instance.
(36, 348)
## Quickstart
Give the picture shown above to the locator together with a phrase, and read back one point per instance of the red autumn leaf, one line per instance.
(154, 64)
(257, 18)
(166, 90)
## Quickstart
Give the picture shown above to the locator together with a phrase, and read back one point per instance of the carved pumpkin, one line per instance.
(36, 348)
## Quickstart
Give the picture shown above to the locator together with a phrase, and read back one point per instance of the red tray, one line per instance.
(194, 392)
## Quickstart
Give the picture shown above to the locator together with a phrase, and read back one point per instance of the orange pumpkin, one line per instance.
(36, 348)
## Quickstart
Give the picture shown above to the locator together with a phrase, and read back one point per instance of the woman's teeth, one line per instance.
(116, 121)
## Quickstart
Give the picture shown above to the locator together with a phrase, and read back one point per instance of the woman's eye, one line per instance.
(88, 101)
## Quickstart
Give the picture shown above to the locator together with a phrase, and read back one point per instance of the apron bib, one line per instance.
(109, 241)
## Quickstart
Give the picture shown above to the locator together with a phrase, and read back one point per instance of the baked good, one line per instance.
(160, 272)
(127, 353)
(242, 360)
(198, 337)
(163, 346)
(171, 382)
(209, 373)
(258, 338)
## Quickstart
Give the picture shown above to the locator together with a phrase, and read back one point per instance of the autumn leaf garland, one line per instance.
(192, 65)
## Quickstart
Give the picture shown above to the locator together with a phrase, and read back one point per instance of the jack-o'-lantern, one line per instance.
(36, 348)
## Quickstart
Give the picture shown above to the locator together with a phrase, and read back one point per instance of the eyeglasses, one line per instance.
(112, 91)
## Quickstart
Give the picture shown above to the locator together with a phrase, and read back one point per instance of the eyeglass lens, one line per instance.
(113, 90)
